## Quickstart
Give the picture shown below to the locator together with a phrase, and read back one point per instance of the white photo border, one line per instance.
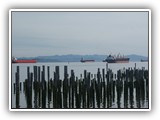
(79, 10)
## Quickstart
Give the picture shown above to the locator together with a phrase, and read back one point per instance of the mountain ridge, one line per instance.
(77, 58)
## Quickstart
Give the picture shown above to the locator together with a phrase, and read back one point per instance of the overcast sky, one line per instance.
(61, 33)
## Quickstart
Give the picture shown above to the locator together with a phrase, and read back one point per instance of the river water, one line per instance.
(78, 68)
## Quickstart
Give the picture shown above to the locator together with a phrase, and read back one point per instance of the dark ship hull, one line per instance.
(87, 61)
(112, 59)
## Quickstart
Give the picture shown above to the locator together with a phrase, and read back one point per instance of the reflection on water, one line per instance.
(80, 85)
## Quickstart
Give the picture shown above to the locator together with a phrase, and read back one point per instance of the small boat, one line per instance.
(15, 60)
(82, 60)
(116, 59)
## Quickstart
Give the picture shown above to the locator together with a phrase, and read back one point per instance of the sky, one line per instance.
(61, 33)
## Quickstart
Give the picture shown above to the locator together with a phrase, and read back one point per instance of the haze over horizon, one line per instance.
(84, 33)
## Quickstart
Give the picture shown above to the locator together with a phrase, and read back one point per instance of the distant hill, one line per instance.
(77, 58)
(134, 57)
(69, 58)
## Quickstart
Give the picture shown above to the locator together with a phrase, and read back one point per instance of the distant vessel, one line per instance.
(116, 59)
(144, 60)
(14, 60)
(82, 60)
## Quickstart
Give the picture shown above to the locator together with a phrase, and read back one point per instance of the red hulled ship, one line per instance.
(15, 60)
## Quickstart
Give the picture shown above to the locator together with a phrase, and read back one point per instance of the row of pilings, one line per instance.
(129, 88)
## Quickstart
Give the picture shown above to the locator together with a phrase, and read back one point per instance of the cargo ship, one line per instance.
(82, 60)
(116, 59)
(146, 60)
(15, 60)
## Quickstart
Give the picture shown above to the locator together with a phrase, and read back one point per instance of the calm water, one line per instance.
(78, 69)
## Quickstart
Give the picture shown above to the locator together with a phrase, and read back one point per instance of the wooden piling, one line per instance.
(49, 86)
(43, 87)
(72, 87)
(17, 87)
(126, 89)
(84, 84)
(29, 88)
(99, 90)
(118, 88)
(130, 87)
(137, 86)
(90, 91)
(14, 88)
(108, 88)
(104, 88)
(65, 87)
(35, 87)
(39, 87)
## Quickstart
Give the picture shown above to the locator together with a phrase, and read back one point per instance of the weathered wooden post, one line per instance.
(135, 65)
(106, 67)
(58, 88)
(99, 92)
(81, 91)
(112, 88)
(65, 87)
(17, 87)
(142, 84)
(146, 77)
(93, 93)
(14, 87)
(118, 82)
(137, 85)
(88, 89)
(114, 84)
(39, 86)
(29, 88)
(131, 88)
(126, 89)
(104, 88)
(60, 94)
(72, 86)
(43, 88)
(108, 88)
(77, 93)
(84, 89)
(49, 86)
(35, 86)
(54, 91)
